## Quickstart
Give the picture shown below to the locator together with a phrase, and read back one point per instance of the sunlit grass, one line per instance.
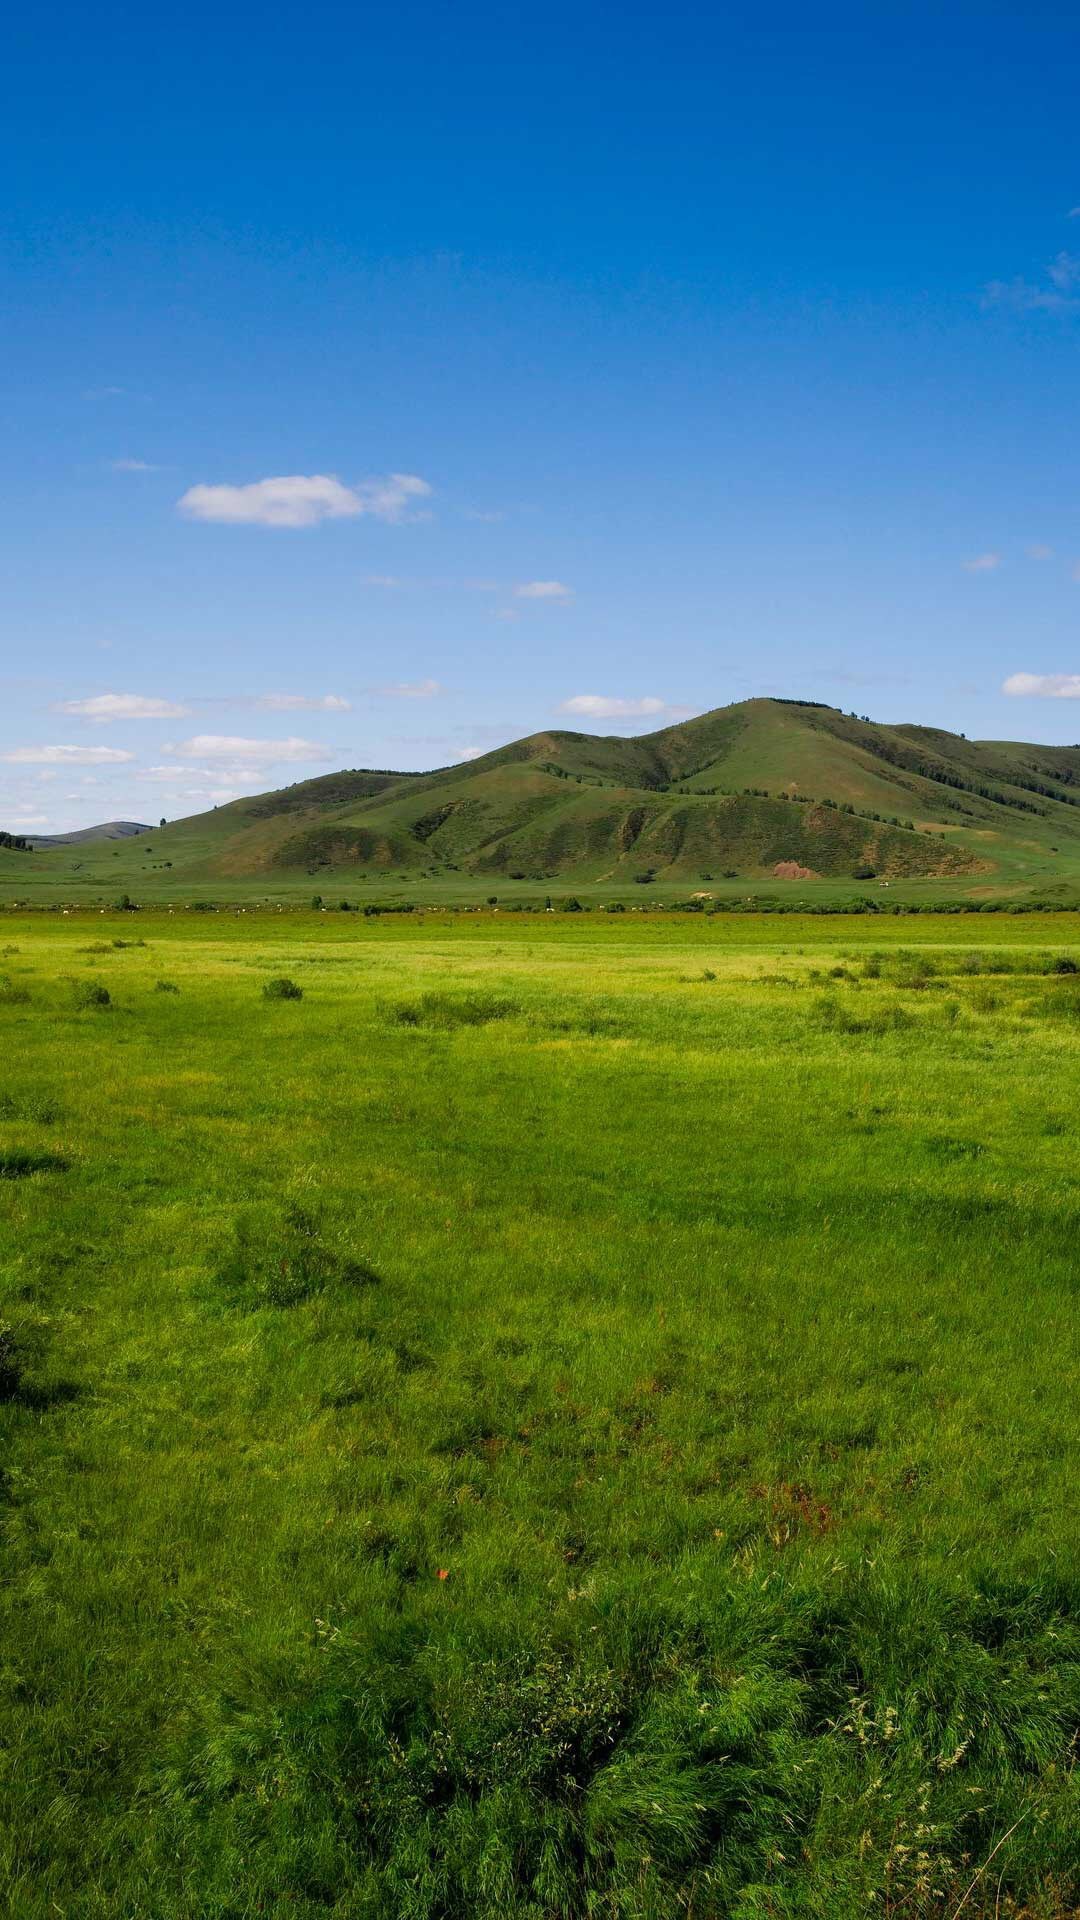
(567, 1417)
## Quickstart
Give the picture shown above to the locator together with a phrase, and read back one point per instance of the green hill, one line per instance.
(753, 798)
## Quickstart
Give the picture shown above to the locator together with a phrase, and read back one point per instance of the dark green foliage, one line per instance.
(90, 994)
(285, 1262)
(282, 988)
(448, 1010)
(13, 993)
(166, 986)
(18, 1163)
(11, 1364)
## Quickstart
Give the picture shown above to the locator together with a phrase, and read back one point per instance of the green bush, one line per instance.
(282, 988)
(91, 994)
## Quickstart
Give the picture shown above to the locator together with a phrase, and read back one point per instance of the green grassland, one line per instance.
(571, 1416)
(713, 804)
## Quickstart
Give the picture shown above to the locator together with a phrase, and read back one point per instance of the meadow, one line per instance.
(538, 1417)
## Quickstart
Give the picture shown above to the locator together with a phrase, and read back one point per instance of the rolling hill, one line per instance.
(748, 798)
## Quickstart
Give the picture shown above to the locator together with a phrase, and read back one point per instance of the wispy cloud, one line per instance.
(67, 756)
(603, 706)
(103, 707)
(410, 690)
(983, 563)
(1038, 551)
(302, 500)
(238, 751)
(1043, 686)
(134, 466)
(387, 580)
(1059, 292)
(310, 702)
(543, 590)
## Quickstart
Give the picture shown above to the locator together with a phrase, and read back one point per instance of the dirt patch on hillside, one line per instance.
(791, 870)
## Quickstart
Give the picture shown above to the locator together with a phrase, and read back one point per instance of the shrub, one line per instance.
(282, 988)
(1063, 964)
(864, 871)
(90, 993)
(12, 995)
(166, 986)
(570, 905)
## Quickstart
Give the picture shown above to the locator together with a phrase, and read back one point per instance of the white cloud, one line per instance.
(134, 466)
(123, 706)
(1044, 686)
(1040, 552)
(410, 690)
(67, 756)
(543, 590)
(389, 580)
(601, 706)
(1058, 293)
(302, 500)
(1065, 271)
(389, 497)
(312, 703)
(238, 751)
(983, 563)
(470, 753)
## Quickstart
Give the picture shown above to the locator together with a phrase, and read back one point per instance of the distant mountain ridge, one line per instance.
(752, 792)
(108, 830)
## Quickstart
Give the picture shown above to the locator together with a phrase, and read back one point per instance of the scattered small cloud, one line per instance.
(602, 706)
(103, 707)
(543, 590)
(410, 690)
(134, 466)
(388, 580)
(239, 751)
(983, 563)
(302, 500)
(1058, 293)
(507, 613)
(470, 753)
(1043, 686)
(311, 702)
(67, 756)
(1064, 271)
(1039, 552)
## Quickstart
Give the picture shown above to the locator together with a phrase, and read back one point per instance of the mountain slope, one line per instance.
(81, 836)
(725, 799)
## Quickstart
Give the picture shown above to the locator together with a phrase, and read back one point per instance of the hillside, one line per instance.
(720, 802)
(82, 836)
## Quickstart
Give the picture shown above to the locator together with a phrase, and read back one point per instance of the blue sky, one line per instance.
(380, 385)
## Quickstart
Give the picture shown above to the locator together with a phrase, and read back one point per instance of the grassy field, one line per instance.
(571, 1416)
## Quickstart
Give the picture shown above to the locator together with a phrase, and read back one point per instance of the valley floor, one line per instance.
(566, 1416)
